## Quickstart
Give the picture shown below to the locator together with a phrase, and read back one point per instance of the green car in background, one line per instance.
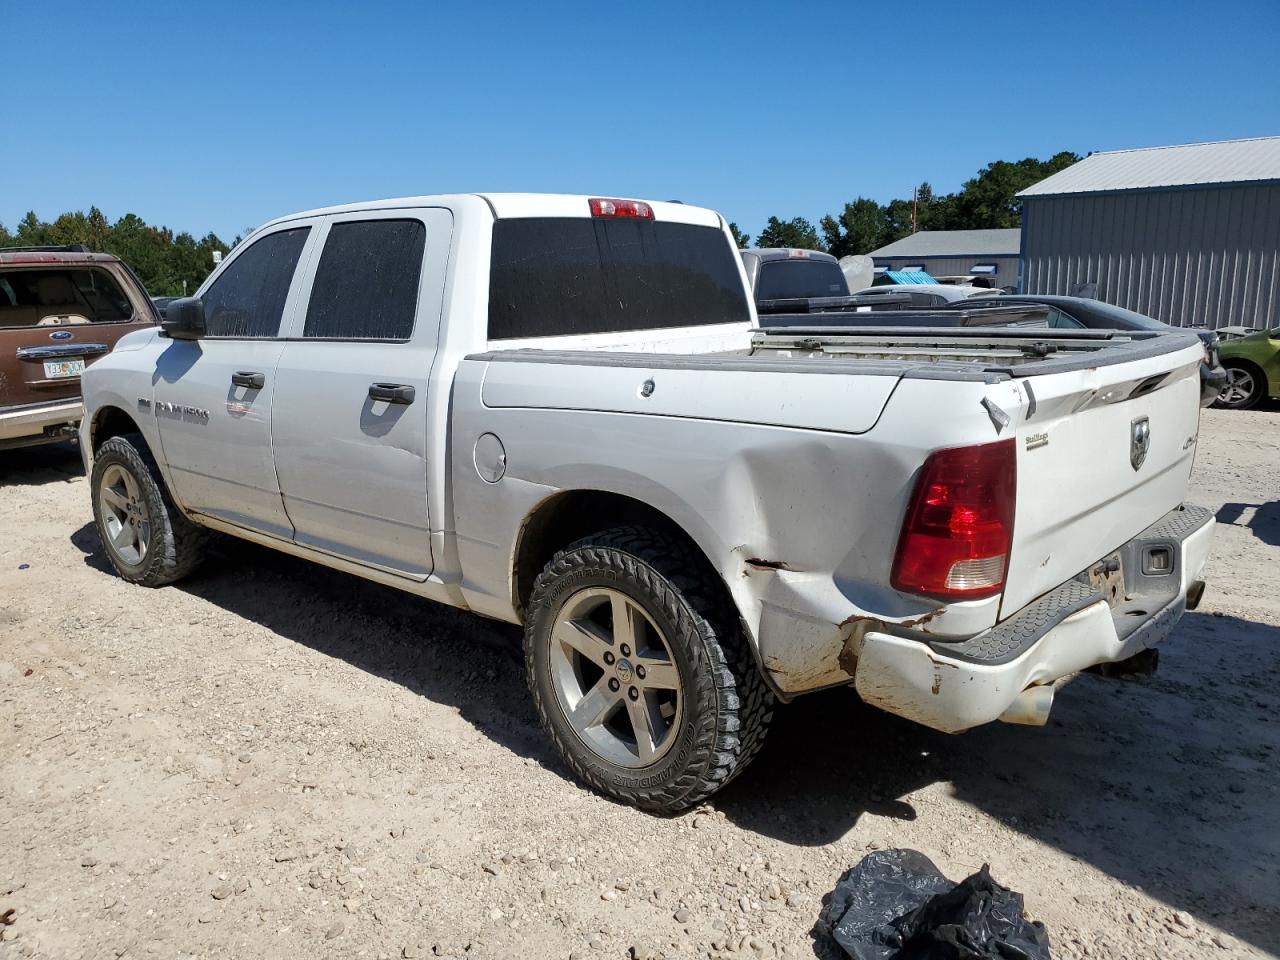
(1252, 362)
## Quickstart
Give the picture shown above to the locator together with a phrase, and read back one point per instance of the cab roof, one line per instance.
(514, 205)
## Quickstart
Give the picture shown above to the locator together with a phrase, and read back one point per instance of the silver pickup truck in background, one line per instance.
(560, 412)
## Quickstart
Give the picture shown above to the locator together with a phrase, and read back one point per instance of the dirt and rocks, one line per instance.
(274, 760)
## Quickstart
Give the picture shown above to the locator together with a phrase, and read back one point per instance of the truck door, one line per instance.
(213, 395)
(349, 414)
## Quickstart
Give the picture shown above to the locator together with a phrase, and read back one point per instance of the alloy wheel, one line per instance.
(614, 677)
(1239, 387)
(124, 514)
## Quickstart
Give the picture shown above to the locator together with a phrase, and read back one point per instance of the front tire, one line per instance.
(1245, 387)
(640, 671)
(146, 537)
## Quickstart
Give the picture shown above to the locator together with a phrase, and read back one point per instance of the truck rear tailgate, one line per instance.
(1102, 453)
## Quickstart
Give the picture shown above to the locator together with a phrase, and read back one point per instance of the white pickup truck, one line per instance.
(560, 412)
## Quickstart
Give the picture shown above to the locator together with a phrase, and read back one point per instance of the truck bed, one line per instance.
(984, 354)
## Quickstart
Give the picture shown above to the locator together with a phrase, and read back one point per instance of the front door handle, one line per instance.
(247, 378)
(391, 392)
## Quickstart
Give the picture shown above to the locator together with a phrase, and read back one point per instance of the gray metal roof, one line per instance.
(955, 243)
(1190, 164)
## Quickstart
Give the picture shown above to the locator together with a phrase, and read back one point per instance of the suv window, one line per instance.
(248, 299)
(559, 275)
(366, 287)
(800, 278)
(35, 296)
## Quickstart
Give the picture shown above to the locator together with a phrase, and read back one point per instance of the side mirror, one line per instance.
(184, 319)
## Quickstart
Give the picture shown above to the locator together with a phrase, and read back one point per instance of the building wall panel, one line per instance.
(1198, 256)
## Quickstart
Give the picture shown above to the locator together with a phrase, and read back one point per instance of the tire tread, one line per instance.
(183, 543)
(733, 706)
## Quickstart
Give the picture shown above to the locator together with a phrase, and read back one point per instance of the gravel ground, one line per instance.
(274, 760)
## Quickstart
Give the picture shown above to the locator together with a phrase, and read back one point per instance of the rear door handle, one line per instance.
(391, 392)
(247, 378)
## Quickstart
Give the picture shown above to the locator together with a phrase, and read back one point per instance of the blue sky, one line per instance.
(218, 116)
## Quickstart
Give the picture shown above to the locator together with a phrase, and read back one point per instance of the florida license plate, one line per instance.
(61, 369)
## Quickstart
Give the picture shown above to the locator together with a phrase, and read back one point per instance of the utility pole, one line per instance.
(914, 198)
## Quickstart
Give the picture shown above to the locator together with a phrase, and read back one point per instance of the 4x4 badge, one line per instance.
(1139, 441)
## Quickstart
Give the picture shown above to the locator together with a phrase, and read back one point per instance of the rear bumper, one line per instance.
(38, 423)
(1212, 380)
(955, 686)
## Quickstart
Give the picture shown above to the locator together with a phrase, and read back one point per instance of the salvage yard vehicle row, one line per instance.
(560, 411)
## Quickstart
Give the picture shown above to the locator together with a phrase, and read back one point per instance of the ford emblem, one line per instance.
(60, 335)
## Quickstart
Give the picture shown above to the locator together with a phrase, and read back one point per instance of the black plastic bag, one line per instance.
(896, 905)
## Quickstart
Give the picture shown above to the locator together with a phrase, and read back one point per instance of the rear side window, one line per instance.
(366, 286)
(248, 299)
(57, 296)
(800, 279)
(552, 276)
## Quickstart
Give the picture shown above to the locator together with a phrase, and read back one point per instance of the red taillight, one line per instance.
(634, 209)
(956, 538)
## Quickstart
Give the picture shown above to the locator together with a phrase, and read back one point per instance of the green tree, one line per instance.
(743, 240)
(860, 228)
(797, 232)
(31, 232)
(988, 200)
(163, 262)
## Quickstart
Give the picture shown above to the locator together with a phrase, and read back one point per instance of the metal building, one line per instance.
(989, 254)
(1187, 234)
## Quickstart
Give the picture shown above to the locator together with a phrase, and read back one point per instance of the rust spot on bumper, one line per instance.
(853, 628)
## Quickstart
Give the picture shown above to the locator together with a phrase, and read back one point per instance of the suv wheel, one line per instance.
(147, 538)
(1244, 387)
(640, 671)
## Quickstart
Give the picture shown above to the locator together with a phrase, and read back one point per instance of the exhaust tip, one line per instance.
(1195, 593)
(1031, 707)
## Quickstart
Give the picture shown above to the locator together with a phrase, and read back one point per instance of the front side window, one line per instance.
(366, 286)
(47, 296)
(552, 276)
(247, 300)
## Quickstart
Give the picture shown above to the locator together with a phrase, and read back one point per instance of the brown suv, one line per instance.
(60, 309)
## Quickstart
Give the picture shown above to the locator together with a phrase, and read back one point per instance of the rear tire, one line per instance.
(146, 537)
(665, 738)
(1246, 385)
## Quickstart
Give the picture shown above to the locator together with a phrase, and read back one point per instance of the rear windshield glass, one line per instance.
(552, 276)
(30, 298)
(799, 279)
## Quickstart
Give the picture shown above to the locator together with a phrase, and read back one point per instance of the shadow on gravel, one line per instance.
(36, 466)
(446, 655)
(1166, 783)
(1264, 522)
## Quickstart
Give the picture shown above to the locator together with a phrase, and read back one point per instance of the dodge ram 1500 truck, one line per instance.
(560, 412)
